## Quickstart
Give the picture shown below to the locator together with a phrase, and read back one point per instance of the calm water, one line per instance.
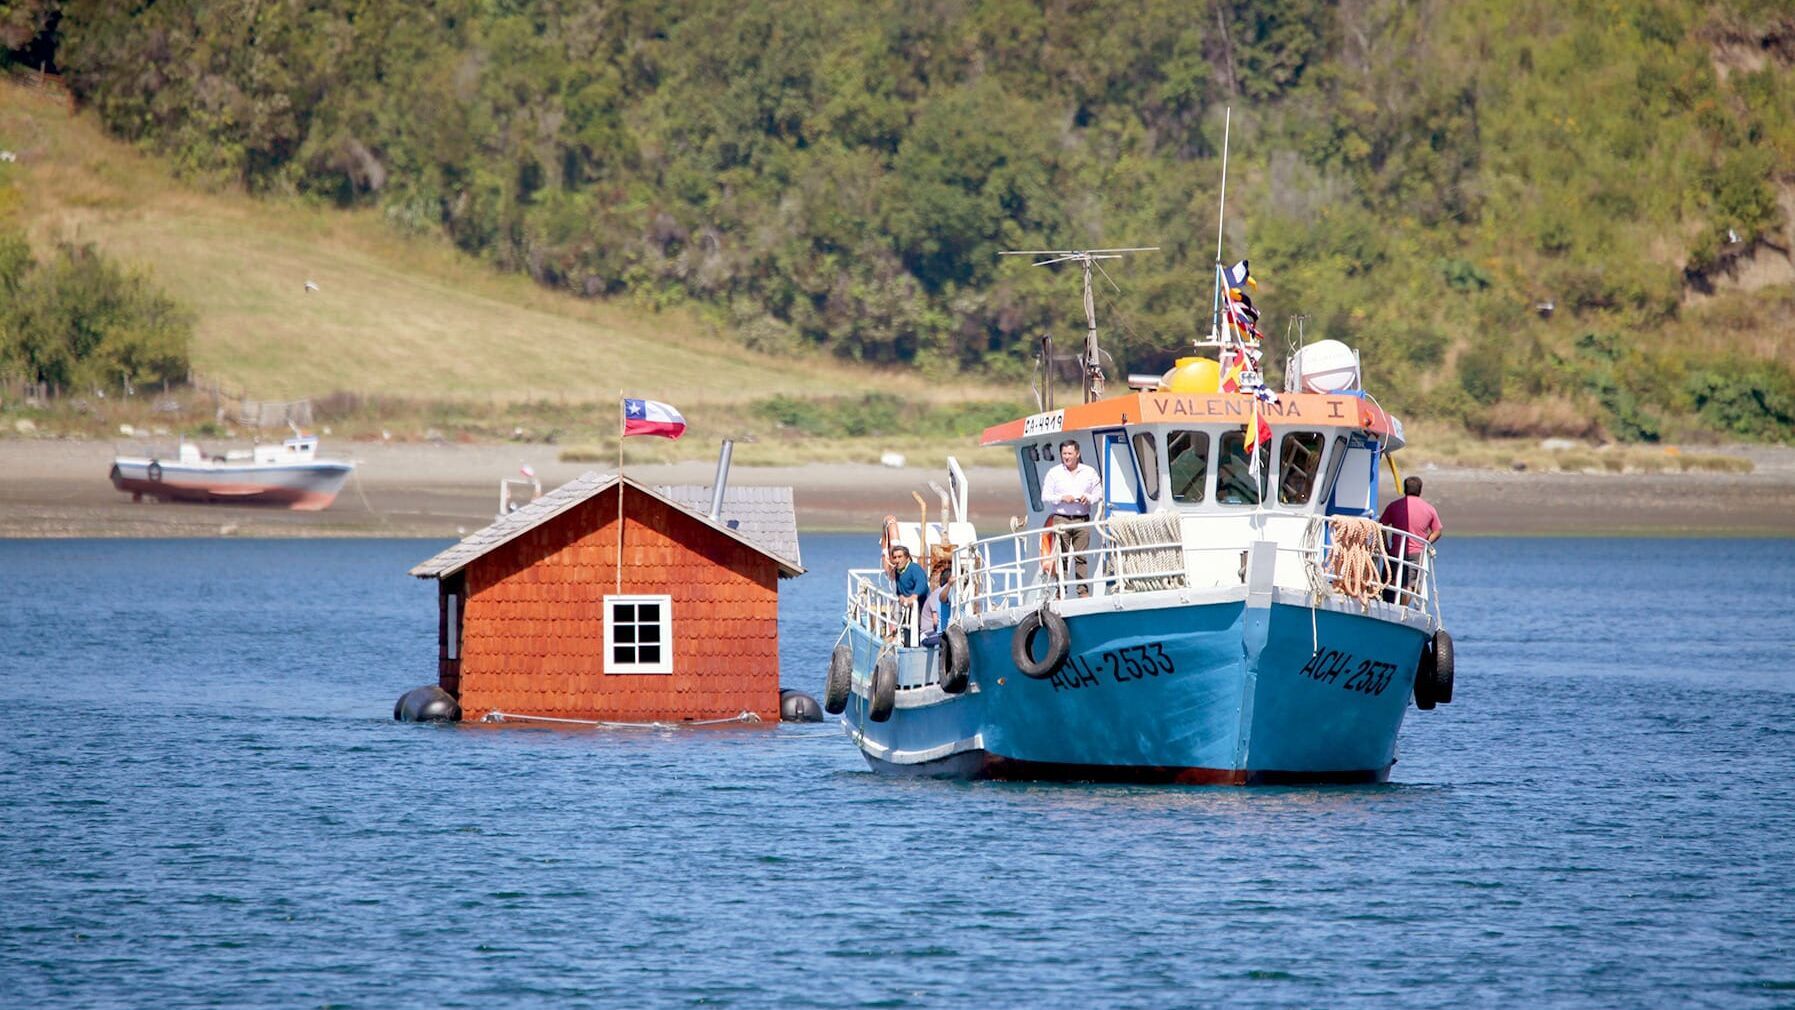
(203, 801)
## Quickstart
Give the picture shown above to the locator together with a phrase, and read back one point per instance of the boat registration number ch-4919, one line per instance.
(1366, 676)
(1044, 424)
(1123, 666)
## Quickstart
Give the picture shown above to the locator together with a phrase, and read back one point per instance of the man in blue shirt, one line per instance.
(912, 581)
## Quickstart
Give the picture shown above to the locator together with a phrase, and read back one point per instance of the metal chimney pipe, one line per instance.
(722, 480)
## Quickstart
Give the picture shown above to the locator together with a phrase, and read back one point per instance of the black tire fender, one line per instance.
(956, 659)
(884, 689)
(1424, 679)
(1059, 644)
(154, 473)
(841, 678)
(1442, 667)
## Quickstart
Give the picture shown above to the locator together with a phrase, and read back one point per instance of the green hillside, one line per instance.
(390, 314)
(1569, 218)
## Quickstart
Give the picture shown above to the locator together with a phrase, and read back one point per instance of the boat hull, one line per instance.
(1198, 693)
(303, 487)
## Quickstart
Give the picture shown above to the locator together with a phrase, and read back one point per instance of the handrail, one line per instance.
(881, 611)
(1012, 570)
(1040, 564)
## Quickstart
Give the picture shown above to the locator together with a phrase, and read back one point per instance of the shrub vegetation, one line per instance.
(1413, 177)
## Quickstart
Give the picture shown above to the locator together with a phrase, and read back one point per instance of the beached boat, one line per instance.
(289, 474)
(1241, 616)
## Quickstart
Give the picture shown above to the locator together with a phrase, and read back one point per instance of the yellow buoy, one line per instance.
(1192, 375)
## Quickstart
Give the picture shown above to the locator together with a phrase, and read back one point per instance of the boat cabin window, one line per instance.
(1299, 460)
(1031, 476)
(1335, 457)
(1187, 456)
(1146, 453)
(638, 634)
(1235, 483)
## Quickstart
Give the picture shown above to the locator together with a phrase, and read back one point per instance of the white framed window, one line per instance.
(452, 626)
(638, 634)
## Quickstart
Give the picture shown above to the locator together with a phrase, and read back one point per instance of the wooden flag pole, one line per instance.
(622, 423)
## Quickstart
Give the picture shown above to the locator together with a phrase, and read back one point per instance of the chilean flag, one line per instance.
(652, 417)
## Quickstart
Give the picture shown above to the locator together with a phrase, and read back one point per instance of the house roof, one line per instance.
(759, 517)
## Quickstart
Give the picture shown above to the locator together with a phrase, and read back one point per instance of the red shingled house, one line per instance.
(531, 621)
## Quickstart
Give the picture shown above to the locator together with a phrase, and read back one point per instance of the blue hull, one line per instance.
(1199, 693)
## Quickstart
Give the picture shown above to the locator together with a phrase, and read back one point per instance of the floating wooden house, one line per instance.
(534, 621)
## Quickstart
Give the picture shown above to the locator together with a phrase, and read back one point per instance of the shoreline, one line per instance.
(58, 488)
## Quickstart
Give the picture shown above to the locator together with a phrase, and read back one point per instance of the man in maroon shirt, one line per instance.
(1411, 515)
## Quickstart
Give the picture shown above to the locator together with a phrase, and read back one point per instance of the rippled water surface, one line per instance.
(204, 801)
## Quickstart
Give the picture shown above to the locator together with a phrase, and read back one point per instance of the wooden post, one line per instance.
(622, 422)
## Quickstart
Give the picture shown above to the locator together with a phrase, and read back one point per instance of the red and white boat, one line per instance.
(289, 474)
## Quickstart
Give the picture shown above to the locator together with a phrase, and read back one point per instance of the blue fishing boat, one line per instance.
(1230, 611)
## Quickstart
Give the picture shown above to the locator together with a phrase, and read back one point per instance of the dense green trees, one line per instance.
(1413, 177)
(80, 322)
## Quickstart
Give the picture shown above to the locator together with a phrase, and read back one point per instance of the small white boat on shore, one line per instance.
(289, 474)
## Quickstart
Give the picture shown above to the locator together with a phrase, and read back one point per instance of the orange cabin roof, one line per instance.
(1317, 410)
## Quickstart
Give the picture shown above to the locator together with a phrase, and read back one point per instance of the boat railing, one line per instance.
(1129, 554)
(1403, 565)
(1123, 554)
(875, 607)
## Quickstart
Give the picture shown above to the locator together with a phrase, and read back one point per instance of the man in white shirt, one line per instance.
(1068, 492)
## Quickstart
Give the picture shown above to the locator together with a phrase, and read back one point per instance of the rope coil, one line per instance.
(1356, 562)
(1150, 554)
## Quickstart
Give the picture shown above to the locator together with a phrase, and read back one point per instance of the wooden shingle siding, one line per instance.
(533, 627)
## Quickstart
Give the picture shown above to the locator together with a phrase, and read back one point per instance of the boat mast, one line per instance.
(1087, 259)
(1221, 215)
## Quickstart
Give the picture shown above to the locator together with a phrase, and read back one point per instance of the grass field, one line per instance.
(421, 341)
(404, 317)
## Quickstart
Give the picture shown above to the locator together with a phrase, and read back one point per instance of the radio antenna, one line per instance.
(1087, 259)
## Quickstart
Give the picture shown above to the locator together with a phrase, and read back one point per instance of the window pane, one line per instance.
(1234, 481)
(1146, 451)
(1025, 458)
(624, 634)
(1334, 460)
(623, 654)
(1187, 454)
(623, 612)
(1299, 460)
(648, 633)
(646, 612)
(648, 654)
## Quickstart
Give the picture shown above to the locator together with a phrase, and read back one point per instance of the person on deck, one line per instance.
(1069, 491)
(1411, 515)
(911, 581)
(934, 617)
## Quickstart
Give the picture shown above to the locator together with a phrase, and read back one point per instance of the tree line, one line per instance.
(1469, 192)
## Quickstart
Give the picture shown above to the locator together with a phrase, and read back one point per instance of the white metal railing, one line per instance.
(1408, 579)
(1023, 568)
(876, 607)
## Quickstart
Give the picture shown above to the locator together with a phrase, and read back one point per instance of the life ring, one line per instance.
(840, 682)
(888, 537)
(884, 689)
(1050, 552)
(956, 659)
(1442, 664)
(154, 472)
(1059, 643)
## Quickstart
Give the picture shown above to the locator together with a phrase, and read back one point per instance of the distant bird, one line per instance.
(1732, 236)
(1544, 308)
(311, 286)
